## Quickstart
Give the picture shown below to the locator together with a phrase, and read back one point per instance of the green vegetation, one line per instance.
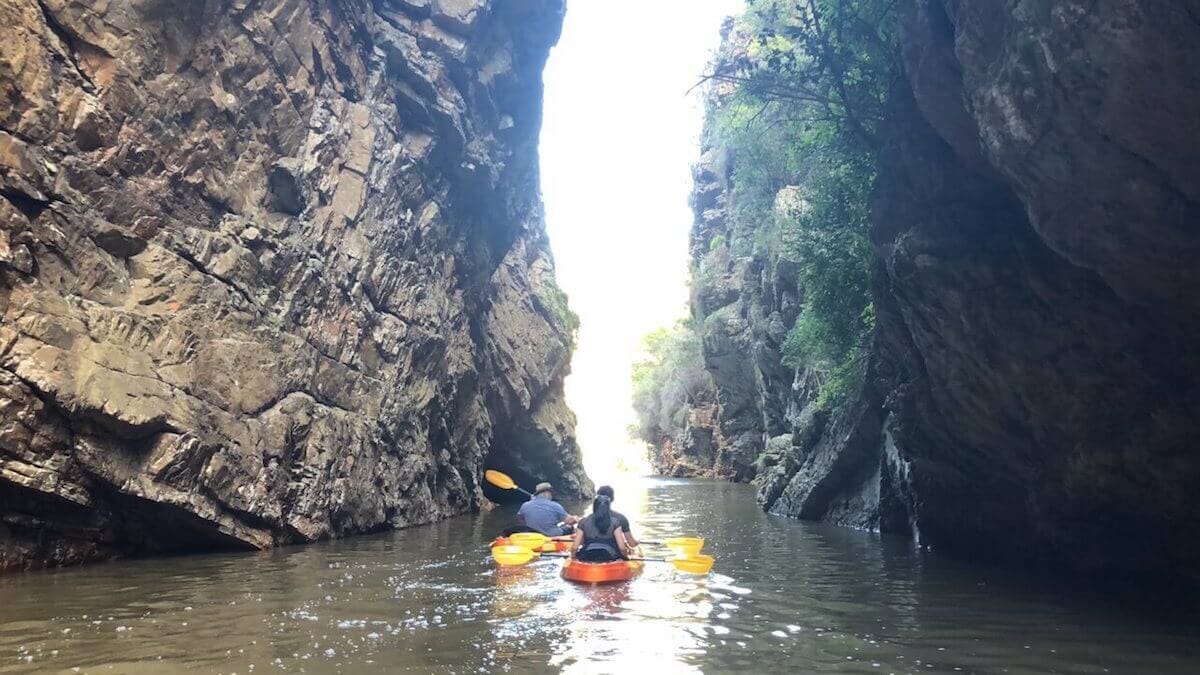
(800, 103)
(799, 100)
(669, 381)
(553, 302)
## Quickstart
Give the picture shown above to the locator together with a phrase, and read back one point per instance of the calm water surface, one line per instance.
(784, 596)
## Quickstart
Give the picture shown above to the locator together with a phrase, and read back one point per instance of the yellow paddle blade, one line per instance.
(500, 480)
(533, 541)
(512, 555)
(694, 564)
(685, 546)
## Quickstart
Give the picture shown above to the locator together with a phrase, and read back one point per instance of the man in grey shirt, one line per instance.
(543, 514)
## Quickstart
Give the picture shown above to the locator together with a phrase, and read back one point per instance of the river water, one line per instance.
(785, 596)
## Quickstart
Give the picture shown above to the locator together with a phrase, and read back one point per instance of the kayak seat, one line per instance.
(598, 553)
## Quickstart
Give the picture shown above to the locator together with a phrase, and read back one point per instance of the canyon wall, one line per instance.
(270, 271)
(1032, 387)
(745, 297)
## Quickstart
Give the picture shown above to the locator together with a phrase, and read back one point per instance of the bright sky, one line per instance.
(619, 137)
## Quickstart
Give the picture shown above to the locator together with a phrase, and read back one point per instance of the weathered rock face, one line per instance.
(1034, 388)
(269, 271)
(745, 297)
(694, 450)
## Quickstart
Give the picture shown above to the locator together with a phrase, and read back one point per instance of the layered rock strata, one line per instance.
(270, 271)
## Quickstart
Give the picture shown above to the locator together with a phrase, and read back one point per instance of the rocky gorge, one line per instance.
(1028, 390)
(275, 271)
(271, 271)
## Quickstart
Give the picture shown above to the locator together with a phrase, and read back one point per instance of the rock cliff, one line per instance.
(745, 297)
(693, 450)
(1032, 391)
(270, 271)
(1036, 226)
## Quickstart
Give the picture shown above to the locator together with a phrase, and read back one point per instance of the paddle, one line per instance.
(688, 547)
(533, 541)
(685, 545)
(536, 541)
(691, 564)
(512, 555)
(502, 481)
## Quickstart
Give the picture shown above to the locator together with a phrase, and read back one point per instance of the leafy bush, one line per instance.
(553, 303)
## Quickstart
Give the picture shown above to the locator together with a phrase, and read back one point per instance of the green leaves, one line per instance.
(801, 102)
(552, 301)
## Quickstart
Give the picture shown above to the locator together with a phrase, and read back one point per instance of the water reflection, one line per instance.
(655, 623)
(783, 596)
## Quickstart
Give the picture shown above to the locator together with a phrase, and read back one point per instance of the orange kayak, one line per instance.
(553, 546)
(600, 573)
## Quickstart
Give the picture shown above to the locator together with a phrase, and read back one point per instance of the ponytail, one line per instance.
(601, 513)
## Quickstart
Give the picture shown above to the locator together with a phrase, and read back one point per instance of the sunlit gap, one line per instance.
(619, 137)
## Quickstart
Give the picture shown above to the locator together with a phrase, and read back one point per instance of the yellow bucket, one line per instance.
(512, 555)
(694, 564)
(533, 541)
(685, 546)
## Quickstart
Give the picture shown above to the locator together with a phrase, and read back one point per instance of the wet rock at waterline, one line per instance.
(270, 271)
(1032, 386)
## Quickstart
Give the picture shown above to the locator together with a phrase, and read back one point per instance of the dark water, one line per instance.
(784, 597)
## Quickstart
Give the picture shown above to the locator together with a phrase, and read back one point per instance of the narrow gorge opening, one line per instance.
(623, 115)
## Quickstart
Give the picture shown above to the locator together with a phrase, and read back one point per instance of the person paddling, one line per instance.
(599, 537)
(542, 514)
(607, 491)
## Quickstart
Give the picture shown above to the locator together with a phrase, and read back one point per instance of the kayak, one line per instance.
(600, 573)
(552, 546)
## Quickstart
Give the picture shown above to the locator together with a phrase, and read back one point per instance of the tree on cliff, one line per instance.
(799, 100)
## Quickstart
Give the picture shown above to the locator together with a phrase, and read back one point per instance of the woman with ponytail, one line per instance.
(599, 537)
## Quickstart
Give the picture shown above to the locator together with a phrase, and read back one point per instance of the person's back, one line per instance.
(543, 514)
(599, 537)
(622, 521)
(592, 533)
